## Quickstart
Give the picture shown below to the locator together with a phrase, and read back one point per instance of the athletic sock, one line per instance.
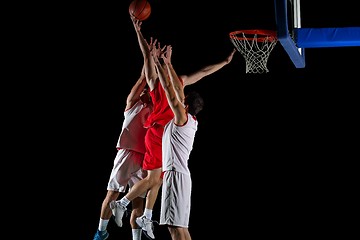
(103, 223)
(124, 201)
(148, 213)
(136, 233)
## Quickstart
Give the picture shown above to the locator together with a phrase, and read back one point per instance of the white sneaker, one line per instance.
(118, 211)
(147, 226)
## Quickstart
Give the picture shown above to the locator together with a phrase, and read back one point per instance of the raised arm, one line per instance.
(150, 71)
(205, 71)
(177, 83)
(168, 79)
(136, 90)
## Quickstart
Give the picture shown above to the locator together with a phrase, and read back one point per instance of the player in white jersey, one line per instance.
(127, 167)
(160, 116)
(177, 144)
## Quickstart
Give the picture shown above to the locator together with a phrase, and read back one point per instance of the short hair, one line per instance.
(194, 102)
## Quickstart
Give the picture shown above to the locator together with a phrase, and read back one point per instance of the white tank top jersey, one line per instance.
(177, 144)
(133, 132)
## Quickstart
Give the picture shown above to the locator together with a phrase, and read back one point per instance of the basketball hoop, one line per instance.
(255, 46)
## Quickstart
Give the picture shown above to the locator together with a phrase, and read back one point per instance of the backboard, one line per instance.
(295, 39)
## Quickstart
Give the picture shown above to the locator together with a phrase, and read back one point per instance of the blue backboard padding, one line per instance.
(327, 37)
(297, 57)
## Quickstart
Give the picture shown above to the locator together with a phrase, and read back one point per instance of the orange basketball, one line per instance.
(140, 9)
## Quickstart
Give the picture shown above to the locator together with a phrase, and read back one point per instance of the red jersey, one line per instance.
(162, 112)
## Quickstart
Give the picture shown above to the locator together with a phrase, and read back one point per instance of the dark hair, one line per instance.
(194, 102)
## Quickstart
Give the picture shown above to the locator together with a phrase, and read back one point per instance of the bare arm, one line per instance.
(150, 71)
(205, 71)
(178, 85)
(167, 83)
(136, 90)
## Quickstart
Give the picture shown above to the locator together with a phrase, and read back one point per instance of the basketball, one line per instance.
(140, 9)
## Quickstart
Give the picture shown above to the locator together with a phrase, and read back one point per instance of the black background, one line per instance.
(272, 155)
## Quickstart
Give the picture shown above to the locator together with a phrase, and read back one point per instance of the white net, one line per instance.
(255, 46)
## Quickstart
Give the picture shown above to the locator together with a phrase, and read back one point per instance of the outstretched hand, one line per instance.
(167, 55)
(157, 51)
(152, 44)
(230, 57)
(137, 23)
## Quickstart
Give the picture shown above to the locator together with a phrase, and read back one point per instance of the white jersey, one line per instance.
(177, 144)
(133, 132)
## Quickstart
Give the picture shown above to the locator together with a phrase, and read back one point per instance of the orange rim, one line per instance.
(262, 35)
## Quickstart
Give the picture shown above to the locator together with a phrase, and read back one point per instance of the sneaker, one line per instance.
(118, 211)
(147, 226)
(101, 235)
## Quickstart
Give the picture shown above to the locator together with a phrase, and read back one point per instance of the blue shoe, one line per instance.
(101, 235)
